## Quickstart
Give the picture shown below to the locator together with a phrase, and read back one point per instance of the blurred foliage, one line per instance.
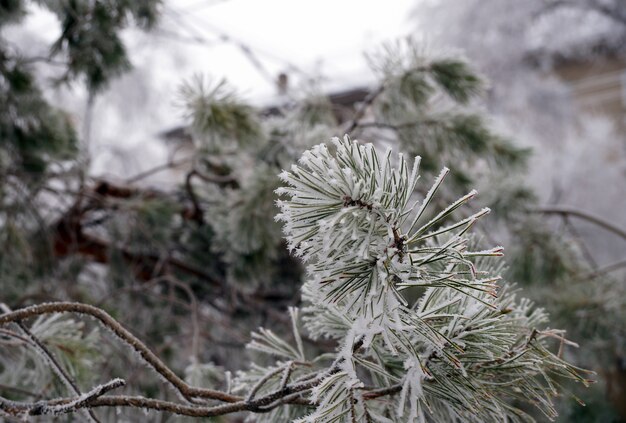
(76, 349)
(90, 35)
(427, 103)
(218, 117)
(31, 131)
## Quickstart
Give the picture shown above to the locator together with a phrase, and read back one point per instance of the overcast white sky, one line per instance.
(306, 38)
(323, 40)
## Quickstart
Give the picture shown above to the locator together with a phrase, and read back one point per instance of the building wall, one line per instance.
(598, 88)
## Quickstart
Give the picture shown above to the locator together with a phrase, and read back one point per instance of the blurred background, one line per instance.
(555, 69)
(555, 89)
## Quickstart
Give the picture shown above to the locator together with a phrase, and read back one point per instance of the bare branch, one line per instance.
(286, 394)
(165, 166)
(84, 399)
(604, 270)
(367, 102)
(564, 211)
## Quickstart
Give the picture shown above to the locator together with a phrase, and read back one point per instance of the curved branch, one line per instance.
(571, 211)
(165, 166)
(186, 391)
(56, 407)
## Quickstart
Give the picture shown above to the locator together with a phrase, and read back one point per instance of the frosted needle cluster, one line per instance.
(426, 330)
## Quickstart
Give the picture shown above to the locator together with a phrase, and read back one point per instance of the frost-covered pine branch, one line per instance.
(402, 283)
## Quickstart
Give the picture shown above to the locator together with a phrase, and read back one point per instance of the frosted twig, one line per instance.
(48, 356)
(287, 393)
(58, 406)
(83, 399)
(286, 374)
(263, 381)
(10, 334)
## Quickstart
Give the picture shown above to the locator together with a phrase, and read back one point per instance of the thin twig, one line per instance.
(263, 381)
(581, 243)
(10, 334)
(377, 393)
(604, 270)
(563, 210)
(286, 374)
(165, 166)
(84, 399)
(367, 102)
